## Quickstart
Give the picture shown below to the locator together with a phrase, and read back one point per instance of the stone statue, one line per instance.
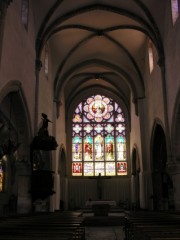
(44, 129)
(43, 141)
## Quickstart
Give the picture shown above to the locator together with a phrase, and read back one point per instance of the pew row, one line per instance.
(58, 225)
(151, 225)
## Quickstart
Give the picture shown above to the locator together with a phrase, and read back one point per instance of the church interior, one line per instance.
(90, 116)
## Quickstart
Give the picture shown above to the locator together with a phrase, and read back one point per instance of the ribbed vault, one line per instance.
(90, 40)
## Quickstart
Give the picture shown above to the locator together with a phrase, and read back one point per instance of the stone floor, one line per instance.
(104, 233)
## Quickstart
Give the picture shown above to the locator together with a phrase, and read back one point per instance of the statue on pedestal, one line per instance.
(43, 141)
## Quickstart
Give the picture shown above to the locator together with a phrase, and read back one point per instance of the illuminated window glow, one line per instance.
(25, 12)
(151, 57)
(175, 10)
(1, 178)
(46, 62)
(98, 138)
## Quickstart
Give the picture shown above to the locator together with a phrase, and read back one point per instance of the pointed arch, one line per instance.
(160, 177)
(14, 117)
(20, 118)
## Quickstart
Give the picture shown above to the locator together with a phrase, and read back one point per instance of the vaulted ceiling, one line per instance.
(98, 44)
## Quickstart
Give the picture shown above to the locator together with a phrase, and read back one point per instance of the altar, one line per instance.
(100, 207)
(90, 203)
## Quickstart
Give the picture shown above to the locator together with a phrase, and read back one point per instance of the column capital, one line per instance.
(58, 105)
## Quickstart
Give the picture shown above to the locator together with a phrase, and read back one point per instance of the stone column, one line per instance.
(38, 65)
(3, 9)
(66, 194)
(145, 181)
(174, 171)
(56, 196)
(133, 189)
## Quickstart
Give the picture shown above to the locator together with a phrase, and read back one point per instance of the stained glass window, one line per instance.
(1, 176)
(98, 138)
(1, 179)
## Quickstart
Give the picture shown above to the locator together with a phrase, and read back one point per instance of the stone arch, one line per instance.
(12, 96)
(15, 122)
(160, 177)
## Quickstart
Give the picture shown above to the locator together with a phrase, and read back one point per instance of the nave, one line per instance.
(101, 233)
(89, 104)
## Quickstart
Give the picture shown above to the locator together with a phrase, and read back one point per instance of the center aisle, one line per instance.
(104, 233)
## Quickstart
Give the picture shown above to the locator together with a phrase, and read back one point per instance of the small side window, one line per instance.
(151, 56)
(174, 10)
(25, 12)
(46, 62)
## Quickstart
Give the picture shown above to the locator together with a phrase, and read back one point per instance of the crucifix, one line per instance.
(99, 184)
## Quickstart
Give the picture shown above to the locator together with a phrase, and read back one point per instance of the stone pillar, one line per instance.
(174, 171)
(57, 190)
(38, 65)
(66, 194)
(3, 9)
(133, 189)
(145, 180)
(142, 191)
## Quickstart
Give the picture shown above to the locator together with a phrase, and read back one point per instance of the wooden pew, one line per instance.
(62, 226)
(142, 225)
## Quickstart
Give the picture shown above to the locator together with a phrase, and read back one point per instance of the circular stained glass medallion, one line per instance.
(98, 108)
